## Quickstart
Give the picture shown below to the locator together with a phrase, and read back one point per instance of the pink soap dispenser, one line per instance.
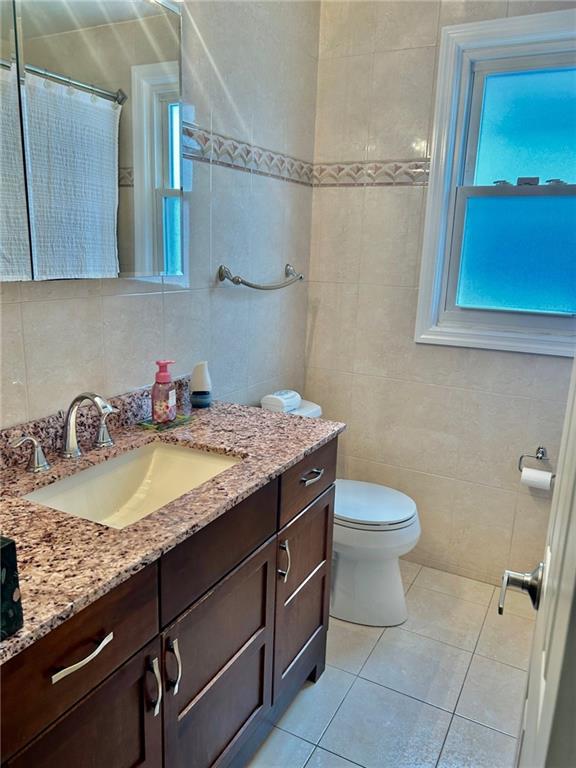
(163, 394)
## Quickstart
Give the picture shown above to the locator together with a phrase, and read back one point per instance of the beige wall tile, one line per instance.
(186, 329)
(298, 103)
(196, 225)
(491, 431)
(521, 7)
(265, 225)
(432, 494)
(198, 66)
(482, 529)
(343, 108)
(465, 11)
(401, 104)
(530, 529)
(64, 351)
(226, 34)
(332, 310)
(384, 329)
(346, 29)
(132, 339)
(390, 252)
(229, 336)
(230, 219)
(410, 425)
(403, 24)
(10, 292)
(337, 234)
(14, 400)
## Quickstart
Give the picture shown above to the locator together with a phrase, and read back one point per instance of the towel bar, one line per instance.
(292, 276)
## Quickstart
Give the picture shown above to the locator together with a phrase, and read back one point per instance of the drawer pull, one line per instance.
(285, 547)
(312, 476)
(155, 669)
(75, 667)
(172, 646)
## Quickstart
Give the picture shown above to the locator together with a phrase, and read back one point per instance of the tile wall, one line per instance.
(444, 425)
(250, 73)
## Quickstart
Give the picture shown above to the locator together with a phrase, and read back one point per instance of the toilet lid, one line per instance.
(369, 505)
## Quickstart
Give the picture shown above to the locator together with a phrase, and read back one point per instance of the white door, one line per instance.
(556, 603)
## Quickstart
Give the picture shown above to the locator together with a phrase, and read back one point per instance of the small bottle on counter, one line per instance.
(163, 394)
(201, 386)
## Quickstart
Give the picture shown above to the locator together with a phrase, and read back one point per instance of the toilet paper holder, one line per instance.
(540, 455)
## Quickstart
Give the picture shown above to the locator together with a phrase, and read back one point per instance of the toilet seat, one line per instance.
(372, 507)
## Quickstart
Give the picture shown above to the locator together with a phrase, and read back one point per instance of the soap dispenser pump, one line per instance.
(163, 394)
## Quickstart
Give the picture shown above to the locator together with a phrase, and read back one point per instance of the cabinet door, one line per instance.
(119, 724)
(218, 666)
(302, 595)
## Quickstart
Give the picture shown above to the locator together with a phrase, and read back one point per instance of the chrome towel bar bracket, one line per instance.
(291, 277)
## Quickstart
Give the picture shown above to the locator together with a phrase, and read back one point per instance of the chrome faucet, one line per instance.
(37, 462)
(70, 449)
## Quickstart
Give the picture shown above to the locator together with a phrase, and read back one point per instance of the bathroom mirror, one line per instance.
(101, 106)
(15, 257)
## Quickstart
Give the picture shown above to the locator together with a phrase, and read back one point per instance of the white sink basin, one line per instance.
(123, 490)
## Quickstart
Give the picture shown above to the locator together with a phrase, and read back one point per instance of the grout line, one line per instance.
(504, 663)
(407, 695)
(489, 727)
(370, 654)
(463, 683)
(331, 752)
(423, 383)
(454, 597)
(296, 736)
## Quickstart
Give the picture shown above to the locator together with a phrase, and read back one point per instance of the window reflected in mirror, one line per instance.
(100, 158)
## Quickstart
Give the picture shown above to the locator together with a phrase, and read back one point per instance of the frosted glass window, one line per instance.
(527, 126)
(519, 254)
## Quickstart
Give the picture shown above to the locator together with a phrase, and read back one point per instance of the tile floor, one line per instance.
(444, 690)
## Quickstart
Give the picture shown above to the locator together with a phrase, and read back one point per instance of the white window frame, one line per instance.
(153, 87)
(462, 48)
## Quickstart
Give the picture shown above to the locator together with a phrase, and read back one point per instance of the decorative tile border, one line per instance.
(125, 177)
(204, 146)
(200, 144)
(375, 173)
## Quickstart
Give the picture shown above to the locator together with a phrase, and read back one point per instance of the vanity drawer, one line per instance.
(193, 567)
(34, 694)
(306, 480)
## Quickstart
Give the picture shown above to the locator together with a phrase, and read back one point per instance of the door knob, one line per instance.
(523, 582)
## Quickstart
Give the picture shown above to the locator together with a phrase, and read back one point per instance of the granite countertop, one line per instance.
(65, 563)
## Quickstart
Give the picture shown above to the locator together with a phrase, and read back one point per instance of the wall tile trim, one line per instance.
(205, 146)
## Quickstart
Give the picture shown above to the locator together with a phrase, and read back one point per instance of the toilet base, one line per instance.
(368, 592)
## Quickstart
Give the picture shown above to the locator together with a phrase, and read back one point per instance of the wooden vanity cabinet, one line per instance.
(218, 661)
(113, 726)
(303, 596)
(227, 627)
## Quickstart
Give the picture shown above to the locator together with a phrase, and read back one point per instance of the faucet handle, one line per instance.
(37, 462)
(104, 440)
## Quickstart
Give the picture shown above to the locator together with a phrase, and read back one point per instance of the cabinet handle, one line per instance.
(154, 667)
(312, 476)
(74, 667)
(285, 547)
(172, 646)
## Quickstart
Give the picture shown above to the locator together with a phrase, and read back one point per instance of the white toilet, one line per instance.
(373, 526)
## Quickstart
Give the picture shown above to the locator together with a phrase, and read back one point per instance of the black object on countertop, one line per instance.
(10, 605)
